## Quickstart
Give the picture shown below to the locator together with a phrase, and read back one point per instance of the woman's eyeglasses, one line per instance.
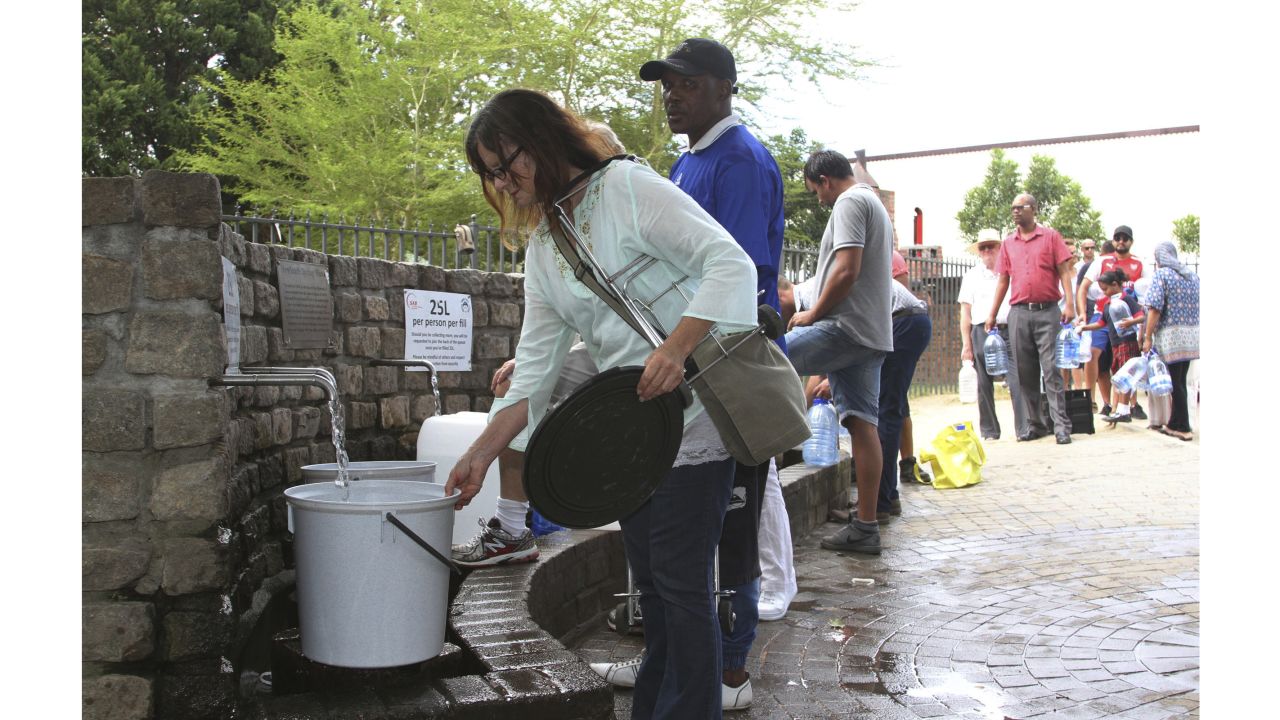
(504, 168)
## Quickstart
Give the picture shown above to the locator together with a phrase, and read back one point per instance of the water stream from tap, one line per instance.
(338, 425)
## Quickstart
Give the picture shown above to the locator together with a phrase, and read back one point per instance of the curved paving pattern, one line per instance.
(1049, 590)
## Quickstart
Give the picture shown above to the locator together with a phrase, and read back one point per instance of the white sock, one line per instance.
(512, 515)
(1122, 409)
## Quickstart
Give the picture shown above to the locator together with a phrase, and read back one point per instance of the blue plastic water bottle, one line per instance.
(542, 526)
(1066, 349)
(822, 447)
(995, 355)
(1158, 380)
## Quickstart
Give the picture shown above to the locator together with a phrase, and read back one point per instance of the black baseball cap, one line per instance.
(695, 56)
(1123, 230)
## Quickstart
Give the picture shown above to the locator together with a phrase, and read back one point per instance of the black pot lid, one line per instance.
(601, 452)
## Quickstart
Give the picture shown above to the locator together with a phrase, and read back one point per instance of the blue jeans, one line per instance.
(911, 335)
(746, 611)
(671, 543)
(852, 369)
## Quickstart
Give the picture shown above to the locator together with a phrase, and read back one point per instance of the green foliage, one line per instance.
(142, 63)
(366, 111)
(805, 217)
(1063, 204)
(1186, 231)
(987, 205)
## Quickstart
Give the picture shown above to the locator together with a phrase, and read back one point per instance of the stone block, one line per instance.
(347, 307)
(191, 635)
(266, 300)
(381, 379)
(281, 426)
(361, 415)
(254, 346)
(232, 245)
(195, 690)
(111, 567)
(364, 342)
(402, 275)
(175, 269)
(395, 411)
(456, 402)
(181, 199)
(116, 697)
(276, 350)
(431, 277)
(343, 271)
(106, 201)
(259, 258)
(107, 494)
(350, 380)
(306, 423)
(484, 403)
(373, 272)
(504, 314)
(246, 295)
(175, 343)
(491, 347)
(93, 350)
(393, 343)
(467, 282)
(424, 406)
(397, 309)
(106, 285)
(186, 420)
(294, 459)
(265, 396)
(479, 313)
(112, 420)
(416, 380)
(498, 285)
(194, 491)
(376, 308)
(193, 565)
(117, 631)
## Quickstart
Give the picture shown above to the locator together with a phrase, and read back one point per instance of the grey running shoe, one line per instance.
(853, 539)
(495, 546)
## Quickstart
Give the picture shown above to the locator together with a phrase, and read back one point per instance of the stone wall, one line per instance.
(183, 533)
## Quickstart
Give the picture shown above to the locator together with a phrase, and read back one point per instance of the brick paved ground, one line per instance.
(1064, 585)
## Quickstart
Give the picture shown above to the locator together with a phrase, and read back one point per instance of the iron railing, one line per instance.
(431, 246)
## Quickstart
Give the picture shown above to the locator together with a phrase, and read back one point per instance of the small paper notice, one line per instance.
(231, 315)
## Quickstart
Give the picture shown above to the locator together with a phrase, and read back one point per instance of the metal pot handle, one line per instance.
(423, 544)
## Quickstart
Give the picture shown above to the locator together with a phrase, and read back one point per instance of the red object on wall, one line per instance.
(919, 227)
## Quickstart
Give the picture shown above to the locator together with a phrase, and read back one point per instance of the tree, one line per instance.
(142, 63)
(805, 217)
(987, 205)
(1186, 230)
(1063, 205)
(367, 109)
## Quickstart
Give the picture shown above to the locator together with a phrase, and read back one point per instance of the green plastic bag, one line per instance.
(957, 457)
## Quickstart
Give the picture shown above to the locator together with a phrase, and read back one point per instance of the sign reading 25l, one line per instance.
(437, 327)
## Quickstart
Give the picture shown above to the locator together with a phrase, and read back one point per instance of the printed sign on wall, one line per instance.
(437, 328)
(231, 315)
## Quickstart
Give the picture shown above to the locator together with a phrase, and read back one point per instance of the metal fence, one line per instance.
(431, 246)
(937, 282)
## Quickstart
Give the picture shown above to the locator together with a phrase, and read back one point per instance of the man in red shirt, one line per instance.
(1034, 266)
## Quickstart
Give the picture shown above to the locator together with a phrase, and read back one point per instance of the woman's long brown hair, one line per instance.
(553, 138)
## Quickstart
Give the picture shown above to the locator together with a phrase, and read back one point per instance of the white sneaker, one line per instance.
(773, 606)
(622, 674)
(738, 698)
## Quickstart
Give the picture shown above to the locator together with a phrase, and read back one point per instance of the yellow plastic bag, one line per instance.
(957, 457)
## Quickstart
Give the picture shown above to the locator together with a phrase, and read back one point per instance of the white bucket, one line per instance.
(373, 470)
(442, 440)
(368, 595)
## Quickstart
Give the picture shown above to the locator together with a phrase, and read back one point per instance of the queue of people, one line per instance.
(713, 229)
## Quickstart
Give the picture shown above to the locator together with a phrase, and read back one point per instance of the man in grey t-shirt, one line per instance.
(848, 330)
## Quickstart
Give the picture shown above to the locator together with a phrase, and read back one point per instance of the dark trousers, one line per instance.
(911, 335)
(1179, 416)
(988, 422)
(1032, 334)
(740, 560)
(671, 543)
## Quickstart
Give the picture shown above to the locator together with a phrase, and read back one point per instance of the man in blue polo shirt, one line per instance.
(735, 179)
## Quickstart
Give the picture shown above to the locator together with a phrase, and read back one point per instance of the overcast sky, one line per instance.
(967, 73)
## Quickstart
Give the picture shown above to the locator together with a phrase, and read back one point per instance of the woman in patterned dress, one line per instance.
(1173, 326)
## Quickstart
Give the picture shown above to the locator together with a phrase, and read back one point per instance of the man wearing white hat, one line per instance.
(978, 289)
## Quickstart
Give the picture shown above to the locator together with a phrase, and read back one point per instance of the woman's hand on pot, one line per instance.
(663, 371)
(467, 475)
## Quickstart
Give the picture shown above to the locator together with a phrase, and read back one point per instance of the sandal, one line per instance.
(1184, 437)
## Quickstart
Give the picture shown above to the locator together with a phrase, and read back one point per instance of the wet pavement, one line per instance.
(1064, 585)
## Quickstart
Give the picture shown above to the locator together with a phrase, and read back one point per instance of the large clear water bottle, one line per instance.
(822, 447)
(995, 355)
(1118, 310)
(1066, 348)
(1158, 380)
(968, 382)
(1086, 347)
(1126, 380)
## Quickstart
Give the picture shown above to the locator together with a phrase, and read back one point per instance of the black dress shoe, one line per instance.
(1138, 412)
(1033, 435)
(1064, 439)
